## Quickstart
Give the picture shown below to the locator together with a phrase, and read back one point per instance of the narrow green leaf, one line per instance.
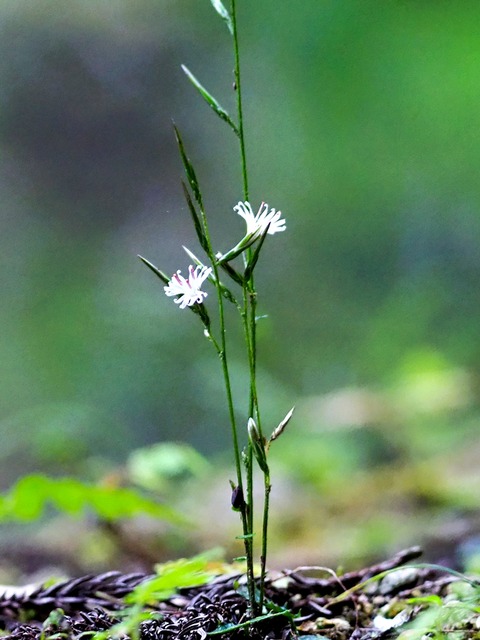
(196, 261)
(228, 628)
(197, 223)
(223, 13)
(163, 277)
(254, 257)
(239, 248)
(189, 170)
(214, 104)
(234, 275)
(258, 446)
(170, 577)
(201, 311)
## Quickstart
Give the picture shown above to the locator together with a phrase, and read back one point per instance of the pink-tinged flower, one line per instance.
(256, 224)
(188, 289)
(266, 220)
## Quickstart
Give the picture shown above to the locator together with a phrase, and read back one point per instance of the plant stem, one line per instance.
(251, 408)
(248, 316)
(250, 328)
(222, 353)
(238, 85)
(221, 348)
(266, 477)
(250, 325)
(263, 557)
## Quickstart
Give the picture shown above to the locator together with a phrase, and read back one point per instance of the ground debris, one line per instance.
(333, 607)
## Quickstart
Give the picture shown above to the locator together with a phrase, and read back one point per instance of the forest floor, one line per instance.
(385, 600)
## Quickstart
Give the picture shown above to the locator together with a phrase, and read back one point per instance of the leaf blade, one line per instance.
(197, 223)
(210, 100)
(163, 276)
(188, 167)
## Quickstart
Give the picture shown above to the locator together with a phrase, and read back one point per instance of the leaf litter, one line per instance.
(358, 605)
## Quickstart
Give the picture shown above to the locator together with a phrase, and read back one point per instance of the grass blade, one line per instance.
(189, 170)
(228, 628)
(234, 275)
(254, 257)
(163, 276)
(196, 220)
(214, 104)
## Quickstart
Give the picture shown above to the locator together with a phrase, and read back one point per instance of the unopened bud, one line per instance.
(258, 445)
(253, 430)
(238, 501)
(281, 427)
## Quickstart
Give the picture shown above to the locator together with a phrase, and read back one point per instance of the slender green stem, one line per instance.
(250, 324)
(247, 531)
(221, 348)
(250, 332)
(263, 557)
(252, 404)
(250, 512)
(249, 310)
(222, 353)
(252, 327)
(238, 85)
(266, 477)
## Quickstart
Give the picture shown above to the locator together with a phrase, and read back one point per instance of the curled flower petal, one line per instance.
(244, 209)
(256, 224)
(188, 289)
(264, 221)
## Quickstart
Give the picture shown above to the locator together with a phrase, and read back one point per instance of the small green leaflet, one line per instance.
(253, 259)
(163, 277)
(197, 223)
(223, 13)
(170, 577)
(189, 170)
(210, 100)
(227, 628)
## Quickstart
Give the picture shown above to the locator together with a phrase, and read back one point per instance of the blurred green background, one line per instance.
(363, 127)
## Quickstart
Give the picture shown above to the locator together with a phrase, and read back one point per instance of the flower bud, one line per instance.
(258, 445)
(238, 501)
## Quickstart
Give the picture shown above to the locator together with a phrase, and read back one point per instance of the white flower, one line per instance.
(188, 289)
(256, 224)
(256, 227)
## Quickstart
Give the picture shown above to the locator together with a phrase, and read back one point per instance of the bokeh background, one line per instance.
(363, 125)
